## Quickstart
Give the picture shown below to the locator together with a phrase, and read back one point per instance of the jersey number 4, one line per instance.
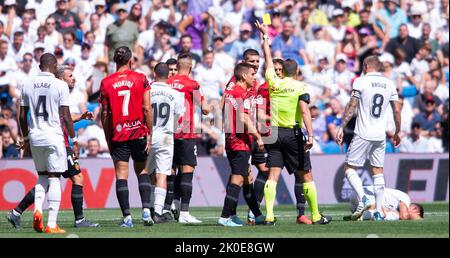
(41, 108)
(161, 111)
(377, 104)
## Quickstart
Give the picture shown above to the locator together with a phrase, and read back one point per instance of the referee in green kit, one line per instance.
(289, 101)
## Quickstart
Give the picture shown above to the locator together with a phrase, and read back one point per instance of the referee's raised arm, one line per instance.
(266, 48)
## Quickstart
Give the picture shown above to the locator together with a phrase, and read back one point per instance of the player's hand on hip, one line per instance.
(339, 136)
(397, 139)
(309, 143)
(76, 149)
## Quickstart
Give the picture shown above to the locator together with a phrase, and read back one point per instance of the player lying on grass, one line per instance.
(396, 205)
(73, 172)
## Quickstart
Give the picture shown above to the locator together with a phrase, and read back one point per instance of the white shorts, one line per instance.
(161, 156)
(51, 158)
(360, 150)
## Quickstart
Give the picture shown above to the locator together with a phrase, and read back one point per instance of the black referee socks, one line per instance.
(122, 196)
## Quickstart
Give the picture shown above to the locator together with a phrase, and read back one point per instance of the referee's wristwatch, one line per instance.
(265, 37)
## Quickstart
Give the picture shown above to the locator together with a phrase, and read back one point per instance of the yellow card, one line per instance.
(266, 19)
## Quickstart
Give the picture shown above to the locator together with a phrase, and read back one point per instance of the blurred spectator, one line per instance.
(320, 77)
(429, 119)
(99, 72)
(409, 44)
(372, 27)
(93, 150)
(164, 50)
(426, 38)
(223, 60)
(319, 125)
(235, 16)
(342, 79)
(336, 31)
(316, 16)
(9, 17)
(137, 17)
(18, 48)
(351, 18)
(29, 33)
(210, 77)
(228, 35)
(7, 65)
(93, 131)
(2, 32)
(419, 100)
(276, 27)
(388, 70)
(43, 9)
(244, 42)
(403, 69)
(195, 26)
(439, 17)
(415, 27)
(369, 46)
(349, 46)
(66, 20)
(7, 146)
(86, 61)
(53, 38)
(288, 46)
(320, 47)
(415, 143)
(444, 127)
(159, 11)
(186, 47)
(70, 49)
(303, 27)
(7, 122)
(407, 115)
(104, 18)
(19, 77)
(394, 16)
(419, 65)
(121, 33)
(334, 118)
(97, 39)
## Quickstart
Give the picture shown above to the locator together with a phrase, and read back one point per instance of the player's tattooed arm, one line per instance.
(23, 121)
(350, 110)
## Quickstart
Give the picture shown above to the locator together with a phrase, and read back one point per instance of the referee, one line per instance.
(289, 101)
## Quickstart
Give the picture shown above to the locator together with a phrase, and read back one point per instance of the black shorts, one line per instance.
(185, 152)
(73, 167)
(121, 151)
(239, 162)
(288, 151)
(258, 157)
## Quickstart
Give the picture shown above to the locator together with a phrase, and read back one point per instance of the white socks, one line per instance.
(378, 187)
(54, 200)
(160, 197)
(39, 192)
(355, 182)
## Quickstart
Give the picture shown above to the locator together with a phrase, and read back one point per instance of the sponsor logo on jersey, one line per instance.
(128, 125)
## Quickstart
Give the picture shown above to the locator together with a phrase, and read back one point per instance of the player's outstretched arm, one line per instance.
(86, 115)
(398, 121)
(348, 114)
(266, 48)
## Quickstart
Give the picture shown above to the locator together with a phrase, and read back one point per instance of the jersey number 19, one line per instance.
(161, 111)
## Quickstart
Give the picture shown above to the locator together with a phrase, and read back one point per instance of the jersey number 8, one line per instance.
(377, 103)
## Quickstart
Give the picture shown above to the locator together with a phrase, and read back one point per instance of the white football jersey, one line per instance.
(376, 93)
(392, 198)
(166, 103)
(44, 94)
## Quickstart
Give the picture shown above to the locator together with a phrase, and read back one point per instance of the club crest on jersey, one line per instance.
(119, 128)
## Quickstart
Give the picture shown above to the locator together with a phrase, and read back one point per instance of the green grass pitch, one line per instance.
(435, 224)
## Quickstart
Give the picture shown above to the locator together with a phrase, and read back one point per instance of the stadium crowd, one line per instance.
(328, 39)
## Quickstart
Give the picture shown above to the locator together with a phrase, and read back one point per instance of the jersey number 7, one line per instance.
(126, 101)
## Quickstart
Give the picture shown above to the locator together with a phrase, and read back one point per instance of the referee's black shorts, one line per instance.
(288, 151)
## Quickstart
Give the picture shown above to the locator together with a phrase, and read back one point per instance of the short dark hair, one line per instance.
(162, 70)
(171, 61)
(250, 52)
(122, 55)
(18, 33)
(290, 68)
(47, 60)
(278, 61)
(415, 125)
(186, 36)
(241, 69)
(421, 212)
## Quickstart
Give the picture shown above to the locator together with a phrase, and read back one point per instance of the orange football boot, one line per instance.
(303, 219)
(56, 230)
(38, 221)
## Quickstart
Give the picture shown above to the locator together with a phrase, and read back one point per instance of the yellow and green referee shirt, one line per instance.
(284, 95)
